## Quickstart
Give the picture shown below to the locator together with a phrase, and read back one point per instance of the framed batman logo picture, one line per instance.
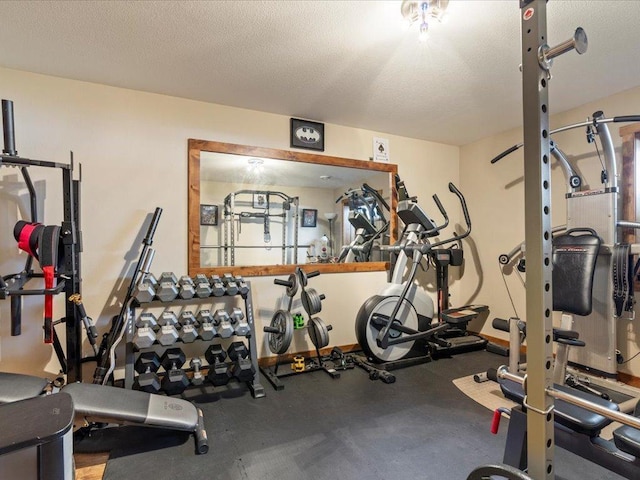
(307, 134)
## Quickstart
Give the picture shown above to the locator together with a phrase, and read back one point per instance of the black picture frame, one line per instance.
(306, 134)
(209, 215)
(309, 217)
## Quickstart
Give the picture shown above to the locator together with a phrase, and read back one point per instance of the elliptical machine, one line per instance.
(364, 212)
(396, 326)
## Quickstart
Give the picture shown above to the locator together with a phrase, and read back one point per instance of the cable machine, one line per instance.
(67, 277)
(596, 209)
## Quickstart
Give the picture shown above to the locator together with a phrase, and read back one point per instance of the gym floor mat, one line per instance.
(421, 427)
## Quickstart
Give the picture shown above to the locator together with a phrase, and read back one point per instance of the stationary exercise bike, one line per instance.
(397, 324)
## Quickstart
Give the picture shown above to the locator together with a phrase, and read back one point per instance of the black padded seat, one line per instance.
(574, 262)
(99, 403)
(15, 387)
(627, 438)
(575, 418)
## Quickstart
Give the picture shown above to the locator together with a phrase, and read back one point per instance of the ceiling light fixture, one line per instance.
(421, 12)
(255, 166)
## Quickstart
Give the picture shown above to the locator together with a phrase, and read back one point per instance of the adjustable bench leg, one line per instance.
(515, 450)
(202, 442)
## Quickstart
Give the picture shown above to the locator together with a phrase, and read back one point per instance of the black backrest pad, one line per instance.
(15, 387)
(574, 261)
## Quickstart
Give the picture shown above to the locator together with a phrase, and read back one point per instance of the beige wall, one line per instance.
(132, 146)
(497, 194)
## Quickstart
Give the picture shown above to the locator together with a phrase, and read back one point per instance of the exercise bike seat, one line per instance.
(627, 438)
(98, 403)
(575, 418)
(15, 387)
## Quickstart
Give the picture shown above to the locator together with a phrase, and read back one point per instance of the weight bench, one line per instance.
(103, 404)
(577, 430)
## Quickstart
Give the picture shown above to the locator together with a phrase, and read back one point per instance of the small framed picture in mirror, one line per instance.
(209, 215)
(309, 217)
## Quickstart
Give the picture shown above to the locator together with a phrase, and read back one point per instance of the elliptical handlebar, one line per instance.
(465, 211)
(374, 192)
(436, 229)
(426, 247)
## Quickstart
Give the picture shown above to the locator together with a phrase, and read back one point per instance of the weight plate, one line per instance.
(311, 301)
(293, 289)
(318, 332)
(302, 276)
(279, 342)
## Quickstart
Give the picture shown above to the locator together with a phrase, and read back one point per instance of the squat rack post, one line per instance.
(537, 201)
(537, 59)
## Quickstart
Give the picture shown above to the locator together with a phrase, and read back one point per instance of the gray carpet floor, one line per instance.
(421, 427)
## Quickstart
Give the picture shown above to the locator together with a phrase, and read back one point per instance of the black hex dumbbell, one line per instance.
(175, 379)
(242, 367)
(147, 365)
(219, 372)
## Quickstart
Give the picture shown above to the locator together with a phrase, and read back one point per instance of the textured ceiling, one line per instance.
(343, 62)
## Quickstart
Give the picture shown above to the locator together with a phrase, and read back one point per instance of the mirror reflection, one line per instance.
(263, 211)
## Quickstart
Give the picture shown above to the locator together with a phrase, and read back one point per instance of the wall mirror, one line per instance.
(260, 211)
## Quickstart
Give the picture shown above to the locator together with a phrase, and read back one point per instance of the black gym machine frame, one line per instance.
(68, 278)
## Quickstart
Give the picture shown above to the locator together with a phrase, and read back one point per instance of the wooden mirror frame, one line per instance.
(629, 181)
(196, 147)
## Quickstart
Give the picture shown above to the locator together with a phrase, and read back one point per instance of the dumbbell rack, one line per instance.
(281, 332)
(131, 351)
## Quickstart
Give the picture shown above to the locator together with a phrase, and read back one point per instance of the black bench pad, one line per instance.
(15, 387)
(627, 438)
(573, 417)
